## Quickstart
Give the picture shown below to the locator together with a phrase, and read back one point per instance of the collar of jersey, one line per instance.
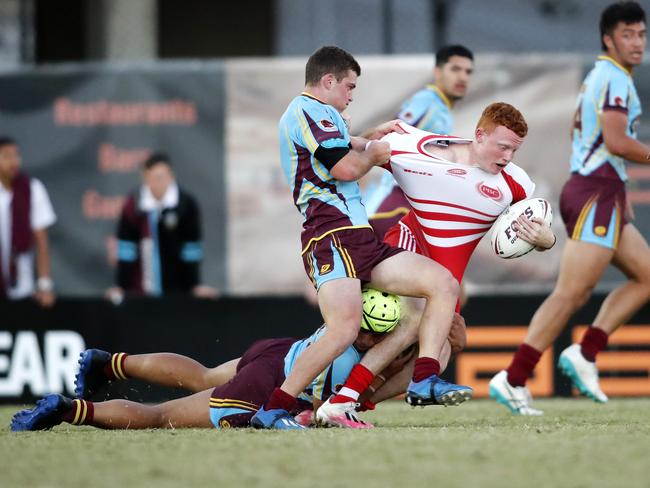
(615, 63)
(306, 94)
(442, 96)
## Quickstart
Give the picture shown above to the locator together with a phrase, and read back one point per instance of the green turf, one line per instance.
(576, 444)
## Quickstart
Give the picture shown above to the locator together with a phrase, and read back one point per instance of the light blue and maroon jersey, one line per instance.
(332, 378)
(430, 110)
(608, 86)
(313, 138)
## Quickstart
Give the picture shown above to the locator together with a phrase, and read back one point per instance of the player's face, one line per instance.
(339, 92)
(9, 162)
(158, 178)
(496, 149)
(627, 43)
(453, 77)
(365, 340)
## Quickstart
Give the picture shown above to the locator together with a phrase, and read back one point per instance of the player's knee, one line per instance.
(159, 416)
(343, 336)
(448, 286)
(439, 281)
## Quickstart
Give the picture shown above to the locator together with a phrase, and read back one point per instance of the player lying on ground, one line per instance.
(233, 390)
(457, 189)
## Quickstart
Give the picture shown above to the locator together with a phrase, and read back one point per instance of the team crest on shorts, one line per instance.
(325, 269)
(600, 230)
(224, 424)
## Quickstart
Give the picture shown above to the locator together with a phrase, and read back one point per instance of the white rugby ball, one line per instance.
(504, 239)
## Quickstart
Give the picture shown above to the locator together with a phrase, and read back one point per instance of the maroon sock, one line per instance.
(114, 369)
(81, 413)
(594, 341)
(280, 399)
(425, 367)
(522, 365)
(359, 379)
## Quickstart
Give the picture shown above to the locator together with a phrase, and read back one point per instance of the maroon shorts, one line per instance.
(593, 209)
(390, 211)
(347, 253)
(259, 371)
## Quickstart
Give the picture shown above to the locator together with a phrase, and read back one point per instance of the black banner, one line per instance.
(84, 132)
(39, 348)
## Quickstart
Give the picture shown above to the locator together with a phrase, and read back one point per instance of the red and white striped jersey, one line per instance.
(454, 204)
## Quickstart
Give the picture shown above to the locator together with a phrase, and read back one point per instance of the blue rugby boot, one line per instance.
(47, 413)
(91, 374)
(276, 418)
(436, 391)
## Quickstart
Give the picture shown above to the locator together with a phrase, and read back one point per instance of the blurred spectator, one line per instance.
(159, 247)
(25, 214)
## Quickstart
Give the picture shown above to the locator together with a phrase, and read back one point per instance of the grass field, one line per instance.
(576, 444)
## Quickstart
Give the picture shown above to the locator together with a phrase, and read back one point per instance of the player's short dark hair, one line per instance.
(626, 12)
(446, 52)
(155, 159)
(330, 59)
(7, 141)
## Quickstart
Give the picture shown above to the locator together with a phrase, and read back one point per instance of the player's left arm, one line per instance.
(376, 133)
(618, 142)
(536, 232)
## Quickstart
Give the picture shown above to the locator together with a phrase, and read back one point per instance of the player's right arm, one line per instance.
(618, 142)
(356, 164)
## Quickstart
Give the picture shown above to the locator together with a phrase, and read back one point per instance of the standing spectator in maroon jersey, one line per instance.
(159, 247)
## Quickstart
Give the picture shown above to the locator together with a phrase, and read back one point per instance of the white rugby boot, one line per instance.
(516, 398)
(582, 373)
(340, 415)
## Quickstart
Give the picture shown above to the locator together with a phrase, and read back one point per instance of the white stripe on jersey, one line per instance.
(406, 238)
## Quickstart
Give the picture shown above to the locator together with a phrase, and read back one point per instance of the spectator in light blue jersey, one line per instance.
(595, 211)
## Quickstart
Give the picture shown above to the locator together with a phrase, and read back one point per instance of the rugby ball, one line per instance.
(504, 238)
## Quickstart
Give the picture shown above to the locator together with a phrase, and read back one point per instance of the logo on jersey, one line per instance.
(423, 173)
(327, 125)
(458, 172)
(489, 192)
(224, 424)
(600, 230)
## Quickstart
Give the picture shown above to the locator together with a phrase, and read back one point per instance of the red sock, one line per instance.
(280, 399)
(594, 341)
(425, 367)
(522, 365)
(81, 413)
(114, 369)
(359, 379)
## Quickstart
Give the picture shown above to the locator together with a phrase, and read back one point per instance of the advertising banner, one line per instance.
(84, 131)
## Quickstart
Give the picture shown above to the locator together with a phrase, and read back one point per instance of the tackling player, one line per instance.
(242, 384)
(322, 163)
(593, 206)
